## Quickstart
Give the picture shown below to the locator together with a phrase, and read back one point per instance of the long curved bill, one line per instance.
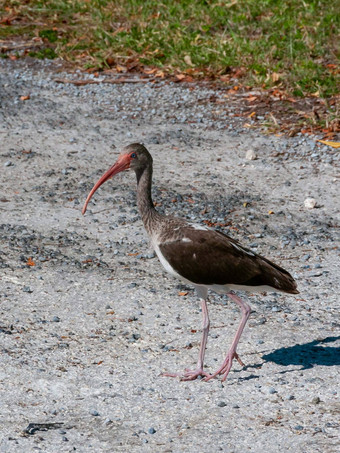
(123, 163)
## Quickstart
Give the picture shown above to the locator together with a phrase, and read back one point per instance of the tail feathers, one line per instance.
(279, 278)
(270, 274)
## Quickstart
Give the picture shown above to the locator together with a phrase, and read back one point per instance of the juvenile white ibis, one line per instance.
(203, 257)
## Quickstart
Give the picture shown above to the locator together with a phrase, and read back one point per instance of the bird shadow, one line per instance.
(307, 355)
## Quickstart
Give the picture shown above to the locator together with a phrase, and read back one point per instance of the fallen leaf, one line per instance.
(110, 61)
(120, 68)
(180, 76)
(150, 70)
(225, 78)
(188, 61)
(30, 262)
(252, 114)
(25, 98)
(182, 293)
(275, 76)
(160, 74)
(271, 212)
(328, 143)
(251, 98)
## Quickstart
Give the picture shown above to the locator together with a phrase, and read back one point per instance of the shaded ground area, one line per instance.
(89, 319)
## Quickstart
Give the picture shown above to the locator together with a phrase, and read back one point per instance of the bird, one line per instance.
(200, 256)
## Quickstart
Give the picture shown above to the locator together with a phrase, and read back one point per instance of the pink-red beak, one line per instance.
(123, 163)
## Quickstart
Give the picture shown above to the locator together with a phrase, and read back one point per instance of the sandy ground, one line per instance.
(88, 317)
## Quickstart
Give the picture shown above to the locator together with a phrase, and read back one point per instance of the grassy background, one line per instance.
(290, 44)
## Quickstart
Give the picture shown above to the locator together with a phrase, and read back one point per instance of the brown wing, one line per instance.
(209, 257)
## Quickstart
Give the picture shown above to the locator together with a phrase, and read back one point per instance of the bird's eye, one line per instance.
(133, 155)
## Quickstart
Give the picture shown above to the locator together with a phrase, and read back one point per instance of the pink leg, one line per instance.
(226, 365)
(190, 375)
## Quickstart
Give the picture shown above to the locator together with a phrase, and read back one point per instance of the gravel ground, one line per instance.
(89, 319)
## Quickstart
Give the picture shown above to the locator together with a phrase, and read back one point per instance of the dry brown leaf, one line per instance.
(150, 70)
(120, 68)
(252, 114)
(30, 262)
(188, 61)
(24, 98)
(110, 61)
(160, 74)
(275, 76)
(328, 143)
(182, 293)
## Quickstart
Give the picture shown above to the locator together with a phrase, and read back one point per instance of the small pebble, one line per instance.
(9, 163)
(27, 289)
(94, 413)
(151, 430)
(310, 203)
(251, 155)
(305, 257)
(55, 319)
(221, 404)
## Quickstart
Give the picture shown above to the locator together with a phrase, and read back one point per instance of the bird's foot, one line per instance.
(189, 375)
(226, 366)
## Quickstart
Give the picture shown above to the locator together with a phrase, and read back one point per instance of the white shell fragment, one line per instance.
(251, 155)
(310, 203)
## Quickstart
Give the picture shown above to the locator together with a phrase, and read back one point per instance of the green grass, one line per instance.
(291, 44)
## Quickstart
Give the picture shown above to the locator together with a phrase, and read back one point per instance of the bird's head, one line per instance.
(135, 157)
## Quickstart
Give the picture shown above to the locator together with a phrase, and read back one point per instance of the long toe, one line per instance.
(188, 375)
(191, 375)
(226, 366)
